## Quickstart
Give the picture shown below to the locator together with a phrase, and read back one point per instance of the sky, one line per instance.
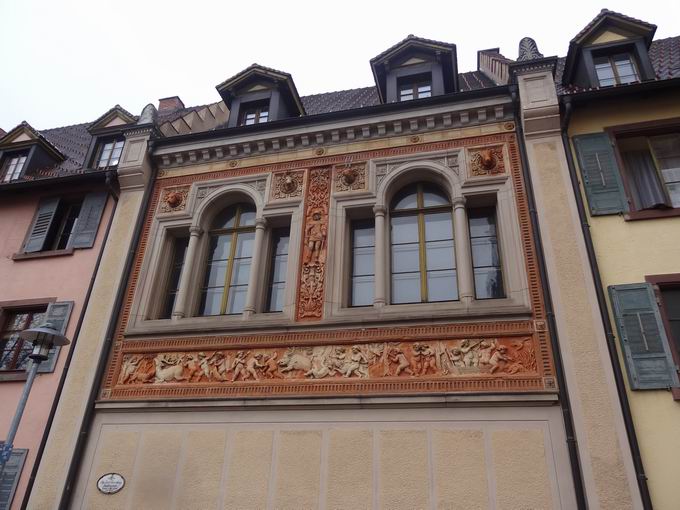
(68, 61)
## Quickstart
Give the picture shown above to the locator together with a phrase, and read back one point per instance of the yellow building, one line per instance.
(620, 98)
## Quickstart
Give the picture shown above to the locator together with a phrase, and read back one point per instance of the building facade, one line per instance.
(375, 298)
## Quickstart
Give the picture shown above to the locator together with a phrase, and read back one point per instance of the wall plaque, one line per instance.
(110, 483)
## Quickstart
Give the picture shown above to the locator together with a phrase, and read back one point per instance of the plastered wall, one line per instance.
(333, 459)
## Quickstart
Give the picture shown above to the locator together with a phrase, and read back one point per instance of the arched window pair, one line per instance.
(422, 255)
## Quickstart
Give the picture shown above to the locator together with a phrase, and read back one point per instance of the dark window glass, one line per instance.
(486, 261)
(615, 69)
(277, 271)
(64, 224)
(179, 248)
(14, 351)
(671, 303)
(363, 257)
(13, 168)
(110, 154)
(415, 87)
(254, 113)
(228, 263)
(423, 262)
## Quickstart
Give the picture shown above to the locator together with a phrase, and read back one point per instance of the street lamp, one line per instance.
(43, 339)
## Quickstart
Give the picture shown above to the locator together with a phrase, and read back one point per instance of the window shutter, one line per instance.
(41, 225)
(10, 477)
(57, 315)
(601, 176)
(88, 220)
(643, 337)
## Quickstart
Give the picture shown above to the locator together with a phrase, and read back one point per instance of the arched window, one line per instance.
(230, 251)
(422, 252)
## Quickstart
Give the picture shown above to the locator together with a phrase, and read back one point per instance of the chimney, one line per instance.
(168, 104)
(493, 65)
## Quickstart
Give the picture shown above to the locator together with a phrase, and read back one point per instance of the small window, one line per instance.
(13, 167)
(63, 225)
(179, 248)
(277, 269)
(232, 235)
(109, 155)
(362, 244)
(254, 113)
(417, 87)
(14, 351)
(616, 69)
(486, 261)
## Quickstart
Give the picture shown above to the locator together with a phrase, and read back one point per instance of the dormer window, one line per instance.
(254, 113)
(109, 155)
(415, 87)
(13, 167)
(617, 69)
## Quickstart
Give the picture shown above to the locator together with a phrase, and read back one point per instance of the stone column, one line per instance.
(461, 238)
(179, 309)
(256, 264)
(380, 289)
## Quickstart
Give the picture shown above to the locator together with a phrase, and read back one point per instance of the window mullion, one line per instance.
(230, 268)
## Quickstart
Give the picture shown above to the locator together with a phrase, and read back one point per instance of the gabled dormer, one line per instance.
(23, 150)
(260, 94)
(106, 146)
(613, 49)
(415, 68)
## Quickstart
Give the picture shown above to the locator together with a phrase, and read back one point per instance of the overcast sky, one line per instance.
(67, 62)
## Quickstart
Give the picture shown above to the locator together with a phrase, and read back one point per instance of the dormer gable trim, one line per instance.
(115, 118)
(24, 136)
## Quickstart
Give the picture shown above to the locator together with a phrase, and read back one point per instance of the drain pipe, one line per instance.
(564, 401)
(604, 313)
(81, 441)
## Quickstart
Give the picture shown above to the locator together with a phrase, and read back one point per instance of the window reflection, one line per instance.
(486, 261)
(363, 256)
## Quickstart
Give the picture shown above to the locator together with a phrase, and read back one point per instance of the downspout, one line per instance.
(81, 441)
(69, 356)
(604, 313)
(564, 401)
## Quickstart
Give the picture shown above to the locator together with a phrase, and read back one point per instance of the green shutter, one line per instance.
(10, 477)
(41, 225)
(87, 224)
(57, 315)
(643, 337)
(601, 176)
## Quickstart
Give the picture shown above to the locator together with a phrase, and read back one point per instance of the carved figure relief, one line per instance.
(287, 185)
(174, 199)
(310, 294)
(487, 161)
(441, 358)
(350, 177)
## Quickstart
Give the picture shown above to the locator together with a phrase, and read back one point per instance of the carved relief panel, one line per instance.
(486, 161)
(350, 177)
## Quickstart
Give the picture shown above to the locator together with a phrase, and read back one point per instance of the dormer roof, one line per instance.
(255, 73)
(115, 117)
(24, 135)
(444, 51)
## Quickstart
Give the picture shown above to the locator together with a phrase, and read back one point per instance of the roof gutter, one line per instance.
(89, 177)
(604, 313)
(641, 88)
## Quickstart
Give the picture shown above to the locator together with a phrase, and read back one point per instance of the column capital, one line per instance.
(459, 201)
(195, 230)
(260, 223)
(379, 210)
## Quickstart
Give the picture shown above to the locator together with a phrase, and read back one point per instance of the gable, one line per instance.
(116, 121)
(22, 136)
(608, 36)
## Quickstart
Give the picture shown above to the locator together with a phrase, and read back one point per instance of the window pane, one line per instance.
(433, 196)
(405, 258)
(240, 272)
(404, 229)
(247, 216)
(220, 247)
(605, 73)
(625, 69)
(362, 290)
(363, 235)
(488, 283)
(216, 274)
(211, 302)
(442, 285)
(406, 288)
(485, 252)
(276, 297)
(439, 255)
(407, 198)
(482, 225)
(279, 270)
(225, 218)
(362, 263)
(438, 226)
(236, 299)
(244, 244)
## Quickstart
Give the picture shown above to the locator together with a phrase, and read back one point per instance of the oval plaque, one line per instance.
(110, 483)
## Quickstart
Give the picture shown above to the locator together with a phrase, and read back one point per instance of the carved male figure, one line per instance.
(315, 235)
(397, 356)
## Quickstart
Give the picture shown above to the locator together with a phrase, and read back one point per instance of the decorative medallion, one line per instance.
(110, 483)
(487, 161)
(320, 151)
(174, 199)
(350, 177)
(287, 185)
(233, 163)
(310, 294)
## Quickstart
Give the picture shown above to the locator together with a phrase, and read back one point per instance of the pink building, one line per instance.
(58, 192)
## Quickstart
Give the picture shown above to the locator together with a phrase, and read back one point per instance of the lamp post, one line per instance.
(43, 339)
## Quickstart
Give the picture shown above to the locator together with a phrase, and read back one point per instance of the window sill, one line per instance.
(651, 214)
(42, 254)
(13, 375)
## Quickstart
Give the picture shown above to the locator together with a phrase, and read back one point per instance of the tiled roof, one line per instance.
(173, 115)
(413, 38)
(607, 12)
(340, 100)
(474, 80)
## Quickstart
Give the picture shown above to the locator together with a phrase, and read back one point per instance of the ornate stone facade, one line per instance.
(287, 185)
(487, 161)
(350, 177)
(174, 199)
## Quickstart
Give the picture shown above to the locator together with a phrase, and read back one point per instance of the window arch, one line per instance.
(422, 255)
(228, 261)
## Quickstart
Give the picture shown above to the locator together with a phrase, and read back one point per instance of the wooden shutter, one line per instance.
(41, 225)
(57, 315)
(643, 337)
(601, 176)
(10, 477)
(87, 224)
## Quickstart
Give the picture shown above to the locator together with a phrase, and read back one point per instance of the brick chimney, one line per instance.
(168, 104)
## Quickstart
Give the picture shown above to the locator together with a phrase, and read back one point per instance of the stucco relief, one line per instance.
(487, 161)
(350, 177)
(174, 199)
(310, 294)
(487, 357)
(287, 185)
